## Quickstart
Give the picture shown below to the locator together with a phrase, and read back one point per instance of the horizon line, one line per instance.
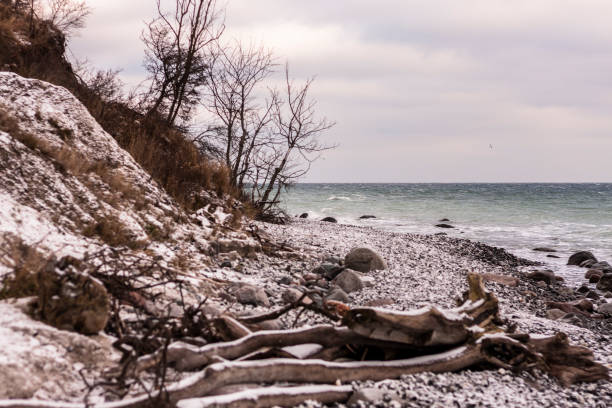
(454, 182)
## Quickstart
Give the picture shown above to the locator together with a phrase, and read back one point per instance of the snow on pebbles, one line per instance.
(429, 269)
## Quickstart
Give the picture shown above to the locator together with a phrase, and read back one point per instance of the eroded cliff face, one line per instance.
(68, 189)
(67, 186)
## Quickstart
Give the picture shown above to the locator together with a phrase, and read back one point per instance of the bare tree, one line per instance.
(235, 79)
(67, 15)
(296, 131)
(175, 55)
(267, 138)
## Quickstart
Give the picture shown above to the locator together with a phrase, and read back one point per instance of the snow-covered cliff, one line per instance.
(68, 189)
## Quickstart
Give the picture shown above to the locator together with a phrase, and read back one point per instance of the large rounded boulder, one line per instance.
(580, 257)
(364, 260)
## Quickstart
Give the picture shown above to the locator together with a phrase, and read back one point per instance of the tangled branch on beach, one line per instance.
(369, 344)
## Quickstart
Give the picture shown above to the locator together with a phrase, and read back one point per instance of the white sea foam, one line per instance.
(339, 198)
(516, 217)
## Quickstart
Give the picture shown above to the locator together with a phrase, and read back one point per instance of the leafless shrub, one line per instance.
(236, 74)
(24, 261)
(68, 16)
(295, 145)
(266, 143)
(175, 55)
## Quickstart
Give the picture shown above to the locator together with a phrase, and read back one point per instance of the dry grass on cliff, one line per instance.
(25, 261)
(166, 153)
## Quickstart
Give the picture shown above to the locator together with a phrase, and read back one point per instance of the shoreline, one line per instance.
(431, 269)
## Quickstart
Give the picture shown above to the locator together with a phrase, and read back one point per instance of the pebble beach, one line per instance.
(432, 269)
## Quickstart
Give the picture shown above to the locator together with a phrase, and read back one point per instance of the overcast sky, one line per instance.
(421, 90)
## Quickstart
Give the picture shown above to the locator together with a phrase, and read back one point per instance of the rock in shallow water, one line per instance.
(364, 260)
(580, 257)
(330, 219)
(601, 266)
(444, 226)
(593, 275)
(546, 276)
(544, 249)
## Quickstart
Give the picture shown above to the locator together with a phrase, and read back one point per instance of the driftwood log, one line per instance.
(379, 344)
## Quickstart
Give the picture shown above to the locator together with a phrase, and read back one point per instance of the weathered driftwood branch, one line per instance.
(188, 357)
(445, 340)
(319, 371)
(260, 397)
(570, 364)
(272, 396)
(275, 314)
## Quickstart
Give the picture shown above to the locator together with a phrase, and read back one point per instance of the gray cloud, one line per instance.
(420, 89)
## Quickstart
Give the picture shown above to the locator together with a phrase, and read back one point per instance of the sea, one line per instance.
(517, 217)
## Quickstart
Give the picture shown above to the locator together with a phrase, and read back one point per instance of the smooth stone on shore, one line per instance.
(544, 249)
(592, 295)
(501, 279)
(444, 226)
(583, 289)
(330, 219)
(364, 260)
(580, 257)
(567, 307)
(334, 260)
(304, 215)
(606, 308)
(328, 270)
(546, 276)
(291, 295)
(584, 304)
(251, 295)
(588, 263)
(338, 295)
(593, 275)
(349, 281)
(605, 283)
(368, 281)
(602, 266)
(285, 280)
